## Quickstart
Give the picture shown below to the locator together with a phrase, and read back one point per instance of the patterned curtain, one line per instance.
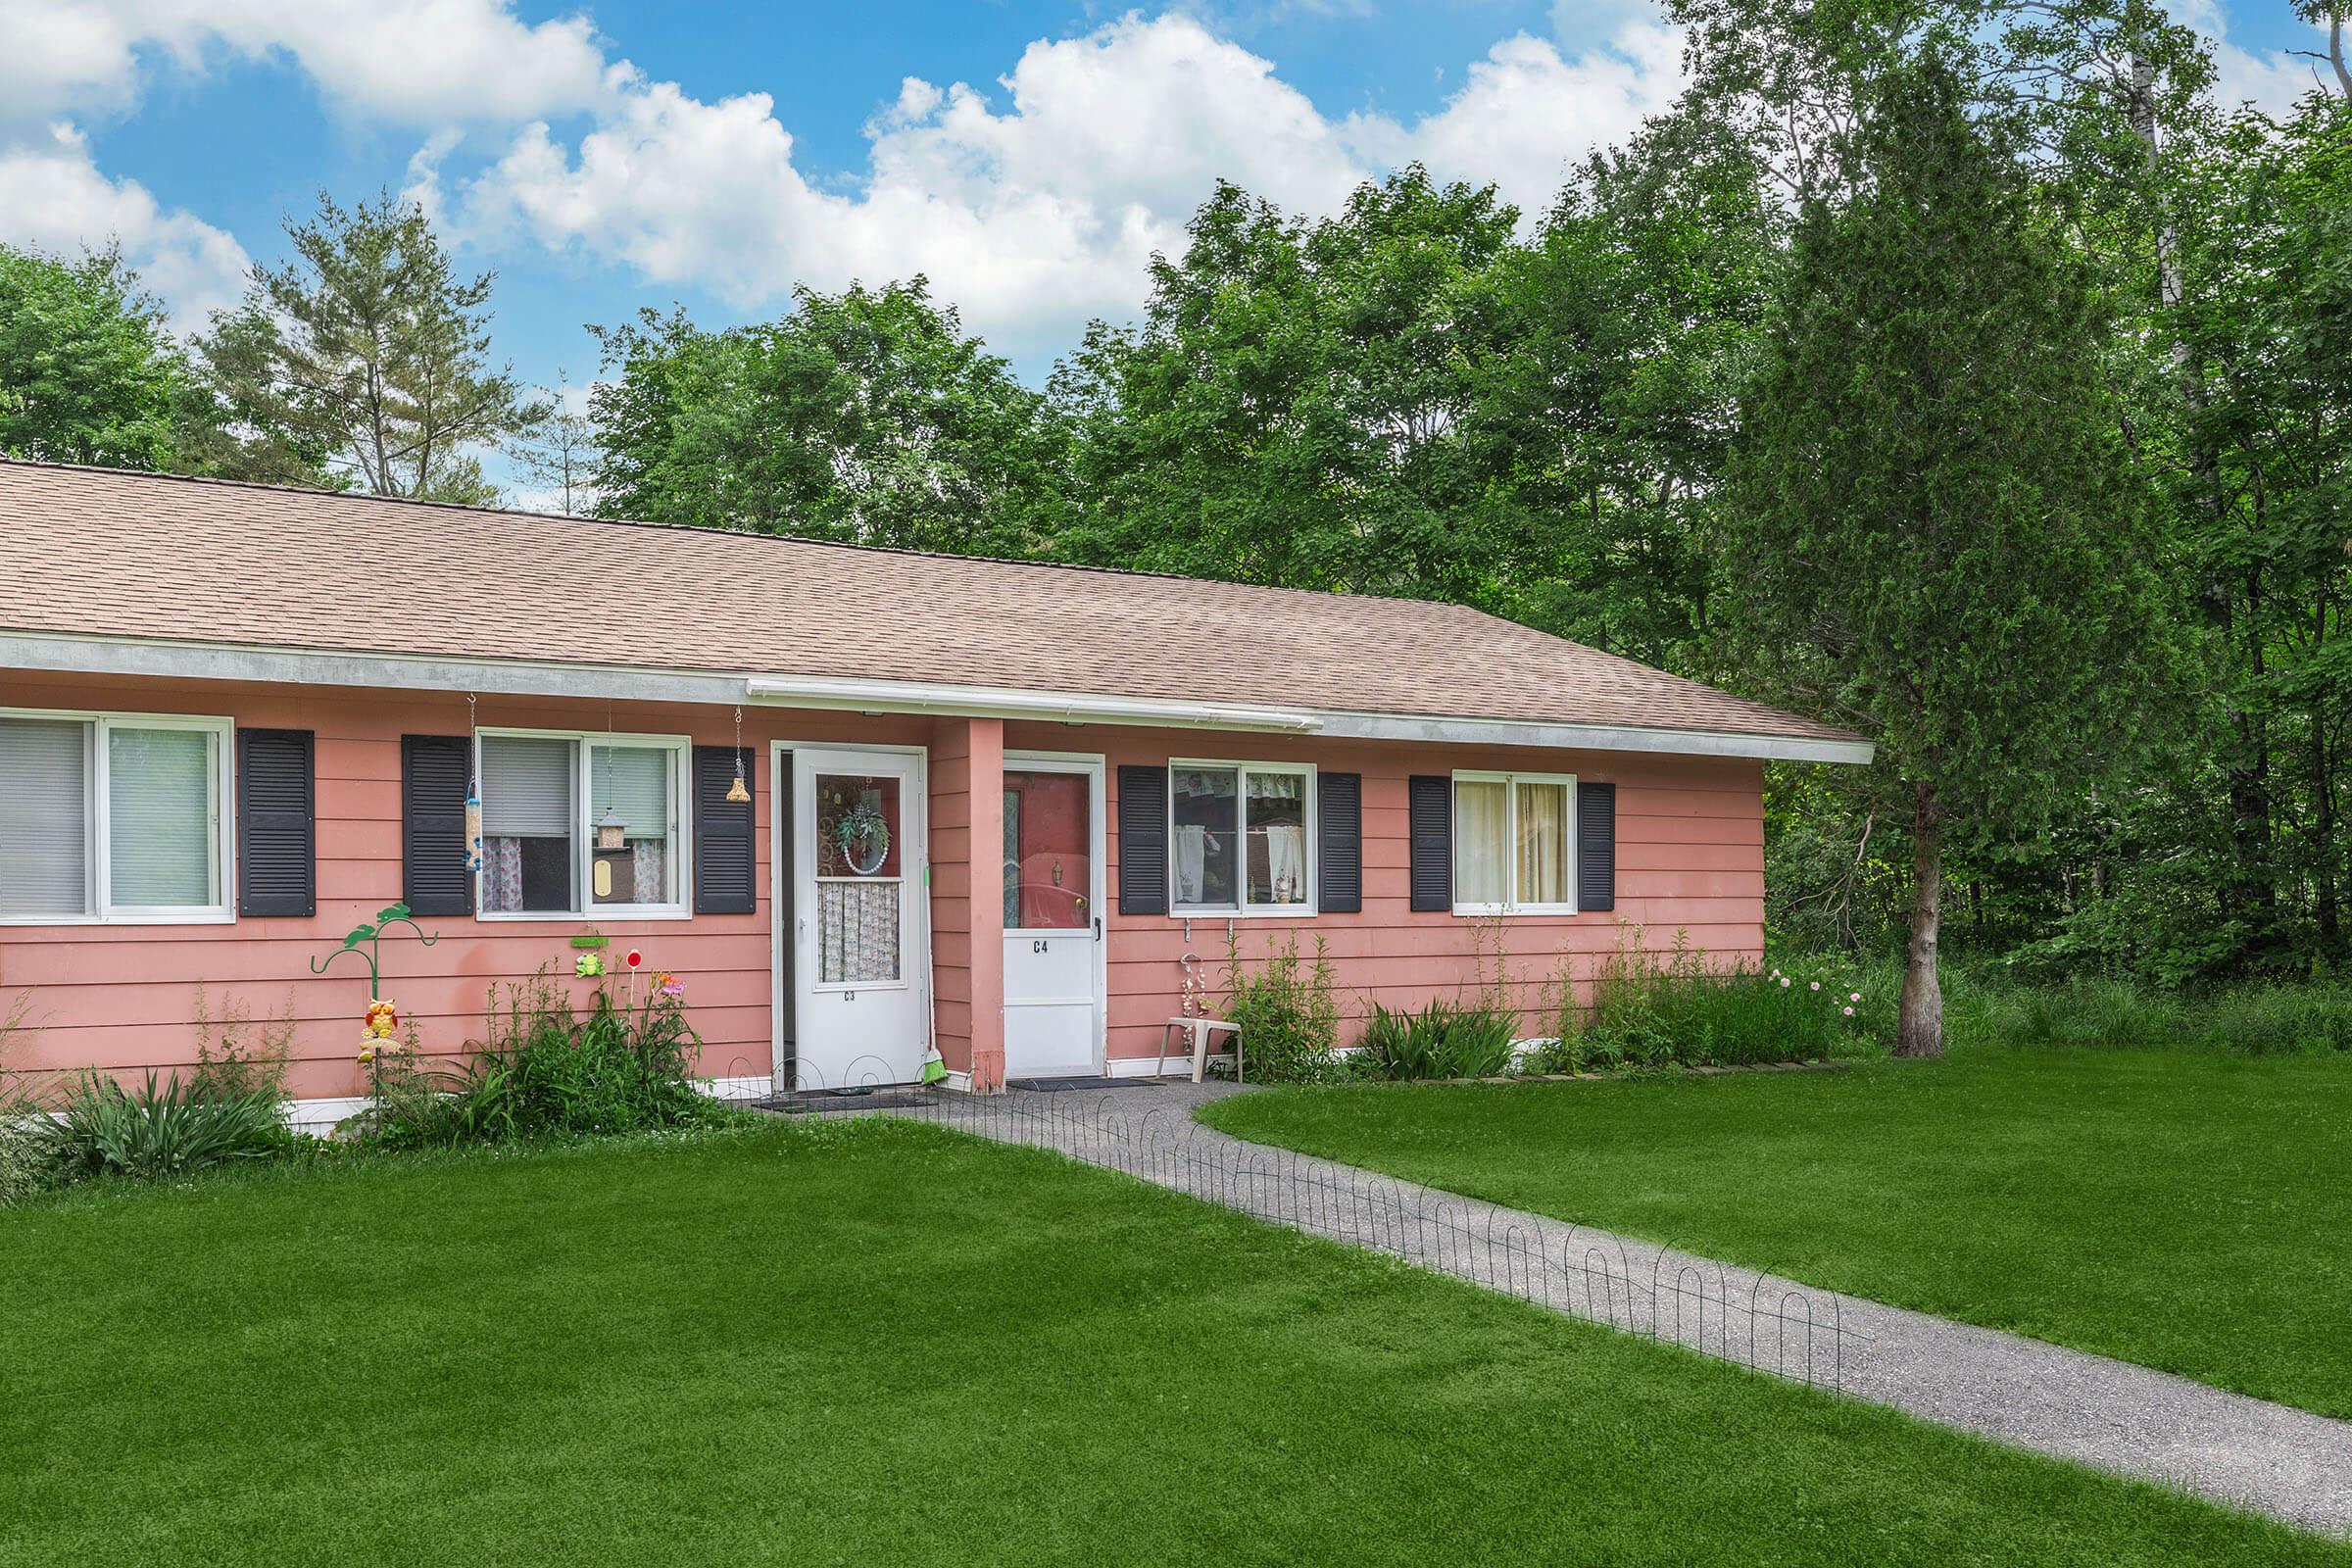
(856, 932)
(501, 875)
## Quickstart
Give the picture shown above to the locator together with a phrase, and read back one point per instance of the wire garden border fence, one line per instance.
(1754, 1319)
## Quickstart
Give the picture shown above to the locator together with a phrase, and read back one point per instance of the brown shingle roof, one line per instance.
(103, 553)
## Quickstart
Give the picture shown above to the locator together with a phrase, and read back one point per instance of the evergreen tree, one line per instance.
(1935, 534)
(368, 348)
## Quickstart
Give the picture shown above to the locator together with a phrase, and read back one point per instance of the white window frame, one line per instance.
(97, 813)
(1510, 782)
(583, 831)
(1243, 909)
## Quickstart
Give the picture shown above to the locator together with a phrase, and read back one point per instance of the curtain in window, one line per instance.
(1481, 841)
(1542, 844)
(501, 875)
(856, 932)
(161, 817)
(44, 817)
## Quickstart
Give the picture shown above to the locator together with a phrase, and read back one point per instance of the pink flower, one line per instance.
(1850, 1012)
(1784, 982)
(1817, 985)
(674, 988)
(1856, 997)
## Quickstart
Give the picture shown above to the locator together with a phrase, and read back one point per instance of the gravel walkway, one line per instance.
(2268, 1458)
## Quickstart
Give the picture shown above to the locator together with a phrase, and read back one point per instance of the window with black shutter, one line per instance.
(1430, 827)
(434, 770)
(277, 829)
(1339, 825)
(1142, 841)
(1596, 845)
(725, 844)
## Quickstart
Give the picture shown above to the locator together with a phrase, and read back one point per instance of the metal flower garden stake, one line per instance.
(382, 1018)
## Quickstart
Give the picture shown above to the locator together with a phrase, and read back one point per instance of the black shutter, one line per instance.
(1431, 827)
(277, 829)
(1340, 836)
(434, 770)
(726, 863)
(1596, 845)
(1142, 841)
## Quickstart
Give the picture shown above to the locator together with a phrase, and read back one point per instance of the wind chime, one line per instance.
(739, 793)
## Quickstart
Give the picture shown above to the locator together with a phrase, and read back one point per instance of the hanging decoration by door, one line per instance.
(738, 793)
(473, 793)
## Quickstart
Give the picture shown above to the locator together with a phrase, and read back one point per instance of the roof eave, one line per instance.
(187, 661)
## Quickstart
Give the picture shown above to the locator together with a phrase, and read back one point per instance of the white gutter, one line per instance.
(1005, 701)
(180, 660)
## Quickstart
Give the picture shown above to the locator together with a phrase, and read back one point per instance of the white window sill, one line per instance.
(562, 916)
(1489, 911)
(1256, 911)
(159, 917)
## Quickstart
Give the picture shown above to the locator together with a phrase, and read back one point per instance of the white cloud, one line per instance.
(1037, 207)
(414, 62)
(53, 198)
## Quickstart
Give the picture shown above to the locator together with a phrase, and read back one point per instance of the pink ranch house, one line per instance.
(866, 803)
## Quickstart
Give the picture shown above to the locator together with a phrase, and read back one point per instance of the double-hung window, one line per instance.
(582, 824)
(1514, 844)
(1241, 838)
(115, 817)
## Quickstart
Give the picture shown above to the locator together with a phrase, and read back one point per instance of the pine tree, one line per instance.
(1934, 533)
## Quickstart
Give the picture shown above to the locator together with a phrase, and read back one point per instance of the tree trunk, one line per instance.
(1919, 1027)
(2323, 836)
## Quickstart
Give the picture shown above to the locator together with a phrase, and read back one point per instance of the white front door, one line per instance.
(859, 913)
(1052, 915)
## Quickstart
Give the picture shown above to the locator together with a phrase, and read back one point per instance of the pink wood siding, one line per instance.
(125, 995)
(1689, 859)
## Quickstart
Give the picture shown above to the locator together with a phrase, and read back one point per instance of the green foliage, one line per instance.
(869, 416)
(236, 1057)
(1443, 1040)
(2256, 1020)
(1937, 535)
(1297, 407)
(89, 372)
(545, 1073)
(162, 1127)
(1288, 1011)
(1682, 1011)
(365, 350)
(25, 1155)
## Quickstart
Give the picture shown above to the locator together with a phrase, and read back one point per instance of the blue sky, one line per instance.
(1027, 157)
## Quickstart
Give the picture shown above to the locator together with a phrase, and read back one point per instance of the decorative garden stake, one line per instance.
(375, 1031)
(370, 934)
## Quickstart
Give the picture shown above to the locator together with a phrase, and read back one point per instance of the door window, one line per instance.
(859, 892)
(1049, 852)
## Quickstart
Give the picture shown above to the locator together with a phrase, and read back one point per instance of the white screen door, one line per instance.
(859, 915)
(1052, 915)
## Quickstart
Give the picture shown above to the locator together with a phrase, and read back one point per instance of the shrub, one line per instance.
(165, 1128)
(1287, 1013)
(26, 1157)
(235, 1058)
(546, 1072)
(1443, 1040)
(1680, 1012)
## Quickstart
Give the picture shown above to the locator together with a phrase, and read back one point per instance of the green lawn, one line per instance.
(883, 1342)
(2186, 1210)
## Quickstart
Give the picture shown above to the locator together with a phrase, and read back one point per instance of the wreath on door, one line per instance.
(862, 835)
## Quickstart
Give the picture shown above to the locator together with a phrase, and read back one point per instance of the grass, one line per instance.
(882, 1342)
(2186, 1210)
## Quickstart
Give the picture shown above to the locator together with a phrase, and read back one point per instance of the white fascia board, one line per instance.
(107, 655)
(1001, 702)
(1593, 738)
